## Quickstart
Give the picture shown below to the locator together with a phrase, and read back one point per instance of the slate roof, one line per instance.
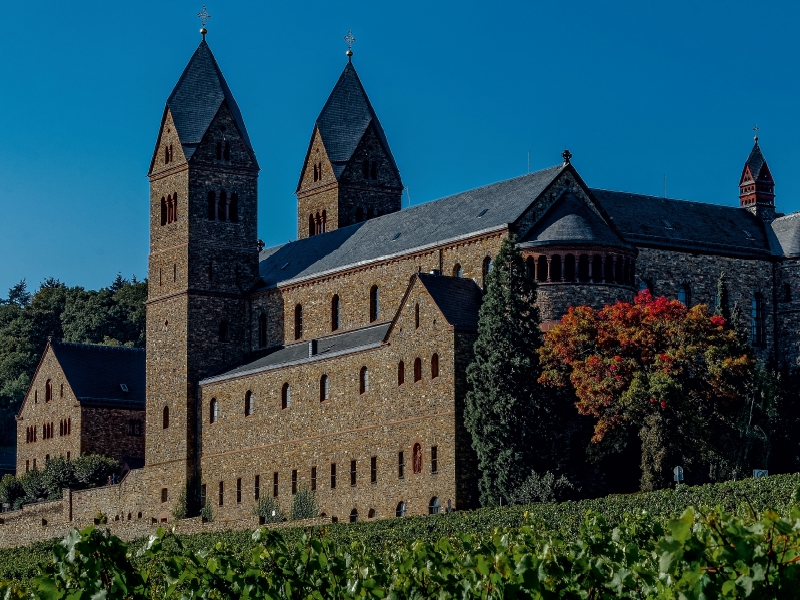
(755, 161)
(683, 225)
(419, 226)
(345, 117)
(458, 298)
(571, 221)
(332, 345)
(787, 232)
(196, 98)
(95, 373)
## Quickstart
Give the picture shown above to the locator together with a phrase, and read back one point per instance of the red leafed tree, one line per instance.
(677, 374)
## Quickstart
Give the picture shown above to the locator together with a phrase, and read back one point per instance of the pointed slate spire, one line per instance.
(197, 97)
(345, 118)
(756, 186)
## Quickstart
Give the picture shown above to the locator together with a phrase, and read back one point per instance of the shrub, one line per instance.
(59, 473)
(92, 470)
(10, 490)
(33, 484)
(542, 488)
(304, 505)
(268, 510)
(207, 513)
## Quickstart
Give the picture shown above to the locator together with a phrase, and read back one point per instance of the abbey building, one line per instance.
(337, 361)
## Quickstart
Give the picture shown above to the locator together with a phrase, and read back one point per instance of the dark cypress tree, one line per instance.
(505, 406)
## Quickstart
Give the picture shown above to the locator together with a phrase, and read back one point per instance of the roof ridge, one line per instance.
(97, 346)
(663, 198)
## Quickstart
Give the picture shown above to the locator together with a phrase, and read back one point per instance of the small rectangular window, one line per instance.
(401, 465)
(221, 493)
(275, 485)
(294, 481)
(164, 494)
(333, 476)
(203, 495)
(257, 488)
(313, 479)
(239, 490)
(373, 469)
(434, 459)
(352, 473)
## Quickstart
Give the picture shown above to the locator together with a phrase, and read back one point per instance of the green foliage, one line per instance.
(188, 503)
(59, 473)
(92, 470)
(304, 505)
(542, 488)
(10, 490)
(269, 510)
(509, 416)
(34, 485)
(207, 513)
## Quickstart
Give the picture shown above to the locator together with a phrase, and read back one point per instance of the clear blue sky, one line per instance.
(464, 90)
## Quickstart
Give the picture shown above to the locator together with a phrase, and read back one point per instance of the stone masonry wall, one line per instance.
(108, 431)
(787, 302)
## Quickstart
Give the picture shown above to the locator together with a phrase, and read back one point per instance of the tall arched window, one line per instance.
(298, 321)
(213, 411)
(757, 320)
(401, 373)
(359, 214)
(323, 222)
(336, 308)
(249, 409)
(233, 208)
(365, 169)
(163, 211)
(165, 417)
(311, 225)
(363, 380)
(400, 511)
(683, 294)
(433, 506)
(286, 396)
(787, 292)
(458, 271)
(417, 369)
(374, 305)
(373, 172)
(223, 331)
(262, 330)
(555, 267)
(354, 515)
(541, 268)
(219, 150)
(324, 388)
(212, 205)
(316, 175)
(416, 316)
(48, 391)
(434, 366)
(569, 267)
(487, 268)
(226, 153)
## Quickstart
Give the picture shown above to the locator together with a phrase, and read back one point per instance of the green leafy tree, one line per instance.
(268, 510)
(92, 470)
(33, 484)
(304, 505)
(507, 413)
(10, 490)
(58, 474)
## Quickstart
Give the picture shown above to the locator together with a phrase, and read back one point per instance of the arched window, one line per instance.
(249, 409)
(226, 153)
(48, 391)
(434, 366)
(213, 411)
(316, 175)
(233, 208)
(416, 316)
(401, 373)
(487, 268)
(363, 380)
(416, 458)
(433, 506)
(583, 267)
(373, 172)
(298, 321)
(541, 268)
(324, 388)
(555, 267)
(353, 515)
(219, 150)
(683, 294)
(757, 320)
(371, 513)
(569, 267)
(597, 268)
(336, 308)
(787, 292)
(223, 331)
(166, 155)
(365, 169)
(374, 305)
(311, 226)
(458, 271)
(370, 213)
(417, 369)
(530, 268)
(286, 396)
(212, 205)
(222, 203)
(165, 417)
(262, 330)
(359, 214)
(400, 511)
(163, 211)
(61, 428)
(69, 425)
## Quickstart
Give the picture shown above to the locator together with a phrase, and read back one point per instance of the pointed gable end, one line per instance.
(196, 99)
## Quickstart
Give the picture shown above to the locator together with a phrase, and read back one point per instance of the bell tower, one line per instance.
(349, 173)
(203, 258)
(756, 186)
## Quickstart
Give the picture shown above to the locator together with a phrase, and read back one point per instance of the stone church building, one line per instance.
(337, 361)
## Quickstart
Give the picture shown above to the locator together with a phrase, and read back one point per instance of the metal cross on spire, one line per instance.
(756, 128)
(203, 16)
(349, 39)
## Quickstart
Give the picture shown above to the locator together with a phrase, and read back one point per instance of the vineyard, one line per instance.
(741, 539)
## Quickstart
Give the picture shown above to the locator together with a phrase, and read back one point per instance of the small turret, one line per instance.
(756, 186)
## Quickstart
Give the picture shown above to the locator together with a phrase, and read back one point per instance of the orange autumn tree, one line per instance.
(677, 374)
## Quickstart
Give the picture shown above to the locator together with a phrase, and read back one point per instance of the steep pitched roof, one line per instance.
(458, 298)
(571, 221)
(196, 98)
(755, 162)
(398, 233)
(345, 118)
(96, 374)
(683, 225)
(327, 347)
(787, 231)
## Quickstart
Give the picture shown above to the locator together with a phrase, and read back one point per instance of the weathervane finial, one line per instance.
(567, 156)
(756, 128)
(203, 16)
(349, 39)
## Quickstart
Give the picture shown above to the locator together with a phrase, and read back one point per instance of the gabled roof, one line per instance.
(345, 118)
(571, 221)
(286, 356)
(197, 97)
(458, 298)
(787, 231)
(488, 208)
(683, 225)
(96, 374)
(755, 162)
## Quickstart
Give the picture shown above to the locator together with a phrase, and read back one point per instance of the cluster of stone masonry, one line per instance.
(338, 361)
